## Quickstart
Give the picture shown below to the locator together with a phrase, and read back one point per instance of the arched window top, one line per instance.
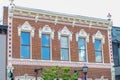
(27, 28)
(98, 35)
(82, 34)
(46, 30)
(65, 32)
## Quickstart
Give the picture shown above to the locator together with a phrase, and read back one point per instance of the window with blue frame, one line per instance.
(98, 50)
(82, 49)
(64, 45)
(25, 45)
(45, 47)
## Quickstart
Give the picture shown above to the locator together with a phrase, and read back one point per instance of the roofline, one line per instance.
(62, 14)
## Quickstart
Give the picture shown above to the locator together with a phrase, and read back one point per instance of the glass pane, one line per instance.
(25, 38)
(45, 40)
(25, 51)
(115, 54)
(97, 45)
(98, 56)
(81, 43)
(82, 55)
(64, 42)
(119, 54)
(64, 54)
(45, 53)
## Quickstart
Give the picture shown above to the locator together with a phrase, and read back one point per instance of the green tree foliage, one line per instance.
(56, 72)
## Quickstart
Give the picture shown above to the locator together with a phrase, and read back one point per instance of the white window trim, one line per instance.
(83, 34)
(98, 35)
(26, 27)
(47, 30)
(65, 32)
(101, 37)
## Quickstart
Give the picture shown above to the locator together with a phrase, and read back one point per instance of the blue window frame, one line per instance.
(25, 45)
(45, 46)
(98, 50)
(82, 49)
(64, 45)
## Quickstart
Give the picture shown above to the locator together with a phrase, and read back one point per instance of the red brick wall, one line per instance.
(36, 41)
(5, 16)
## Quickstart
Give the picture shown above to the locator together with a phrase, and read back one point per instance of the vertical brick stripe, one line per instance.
(9, 36)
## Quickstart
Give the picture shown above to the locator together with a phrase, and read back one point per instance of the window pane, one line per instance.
(119, 54)
(45, 53)
(81, 43)
(82, 49)
(115, 53)
(82, 55)
(45, 40)
(98, 50)
(45, 46)
(64, 54)
(25, 38)
(25, 51)
(98, 56)
(64, 42)
(25, 45)
(97, 44)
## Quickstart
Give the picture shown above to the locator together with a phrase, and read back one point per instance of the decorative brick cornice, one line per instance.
(57, 18)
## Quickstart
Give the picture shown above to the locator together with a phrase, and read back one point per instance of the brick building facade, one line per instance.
(39, 39)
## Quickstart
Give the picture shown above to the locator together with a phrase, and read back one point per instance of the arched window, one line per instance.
(82, 37)
(46, 34)
(65, 36)
(98, 40)
(25, 32)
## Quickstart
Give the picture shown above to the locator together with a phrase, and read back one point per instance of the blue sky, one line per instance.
(91, 8)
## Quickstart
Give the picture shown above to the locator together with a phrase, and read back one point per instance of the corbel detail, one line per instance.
(56, 20)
